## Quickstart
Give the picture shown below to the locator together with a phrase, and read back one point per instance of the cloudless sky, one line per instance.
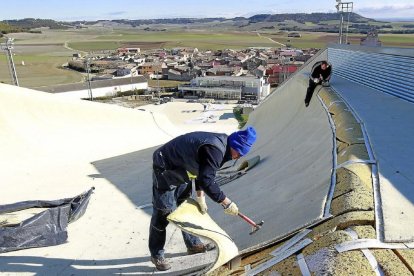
(70, 10)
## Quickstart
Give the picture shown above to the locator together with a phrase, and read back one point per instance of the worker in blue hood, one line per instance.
(200, 154)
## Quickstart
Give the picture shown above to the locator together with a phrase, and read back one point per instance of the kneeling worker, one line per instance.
(201, 154)
(321, 73)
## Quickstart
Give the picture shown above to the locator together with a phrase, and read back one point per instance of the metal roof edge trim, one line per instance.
(396, 51)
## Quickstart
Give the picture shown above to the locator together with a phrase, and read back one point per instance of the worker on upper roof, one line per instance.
(320, 74)
(201, 154)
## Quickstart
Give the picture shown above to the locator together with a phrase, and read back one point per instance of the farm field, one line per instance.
(44, 54)
(313, 40)
(39, 70)
(200, 40)
(397, 40)
(320, 40)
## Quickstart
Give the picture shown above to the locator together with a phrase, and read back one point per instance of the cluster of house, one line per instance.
(184, 64)
(225, 74)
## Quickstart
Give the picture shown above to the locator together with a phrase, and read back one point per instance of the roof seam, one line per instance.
(403, 260)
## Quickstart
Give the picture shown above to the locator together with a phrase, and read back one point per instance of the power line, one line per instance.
(8, 47)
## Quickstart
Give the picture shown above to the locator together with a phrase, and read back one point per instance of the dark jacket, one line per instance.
(200, 153)
(317, 71)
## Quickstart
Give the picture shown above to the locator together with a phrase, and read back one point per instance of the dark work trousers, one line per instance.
(163, 204)
(309, 92)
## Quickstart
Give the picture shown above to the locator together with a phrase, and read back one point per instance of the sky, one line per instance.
(72, 10)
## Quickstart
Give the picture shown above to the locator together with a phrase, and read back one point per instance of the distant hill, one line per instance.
(33, 23)
(7, 28)
(28, 24)
(299, 17)
(305, 17)
(138, 22)
(311, 22)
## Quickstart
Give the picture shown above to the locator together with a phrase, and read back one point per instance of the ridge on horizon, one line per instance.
(196, 19)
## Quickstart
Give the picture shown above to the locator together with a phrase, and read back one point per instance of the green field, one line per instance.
(321, 40)
(38, 70)
(44, 54)
(200, 40)
(89, 46)
(397, 40)
(307, 40)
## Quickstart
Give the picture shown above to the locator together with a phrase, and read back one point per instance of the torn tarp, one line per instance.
(45, 228)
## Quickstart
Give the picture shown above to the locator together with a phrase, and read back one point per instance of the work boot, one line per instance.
(160, 263)
(201, 248)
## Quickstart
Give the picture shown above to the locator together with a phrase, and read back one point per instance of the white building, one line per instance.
(227, 87)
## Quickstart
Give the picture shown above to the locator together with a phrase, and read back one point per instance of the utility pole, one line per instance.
(88, 71)
(8, 47)
(343, 8)
(158, 83)
(283, 71)
(347, 25)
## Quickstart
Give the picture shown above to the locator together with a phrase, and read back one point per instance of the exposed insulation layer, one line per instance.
(348, 180)
(337, 107)
(350, 134)
(352, 192)
(406, 257)
(288, 266)
(323, 259)
(344, 120)
(342, 222)
(386, 258)
(328, 97)
(188, 218)
(353, 153)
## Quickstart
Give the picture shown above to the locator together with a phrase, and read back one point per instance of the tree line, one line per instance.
(28, 24)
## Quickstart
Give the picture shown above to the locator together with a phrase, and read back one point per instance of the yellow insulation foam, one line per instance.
(189, 219)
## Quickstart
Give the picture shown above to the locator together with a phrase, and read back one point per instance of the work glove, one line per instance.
(231, 209)
(201, 200)
(316, 80)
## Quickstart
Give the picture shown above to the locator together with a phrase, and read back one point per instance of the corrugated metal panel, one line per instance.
(391, 74)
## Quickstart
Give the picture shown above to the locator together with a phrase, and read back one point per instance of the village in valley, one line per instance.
(187, 68)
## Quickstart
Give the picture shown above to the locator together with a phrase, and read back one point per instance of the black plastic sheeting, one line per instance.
(46, 228)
